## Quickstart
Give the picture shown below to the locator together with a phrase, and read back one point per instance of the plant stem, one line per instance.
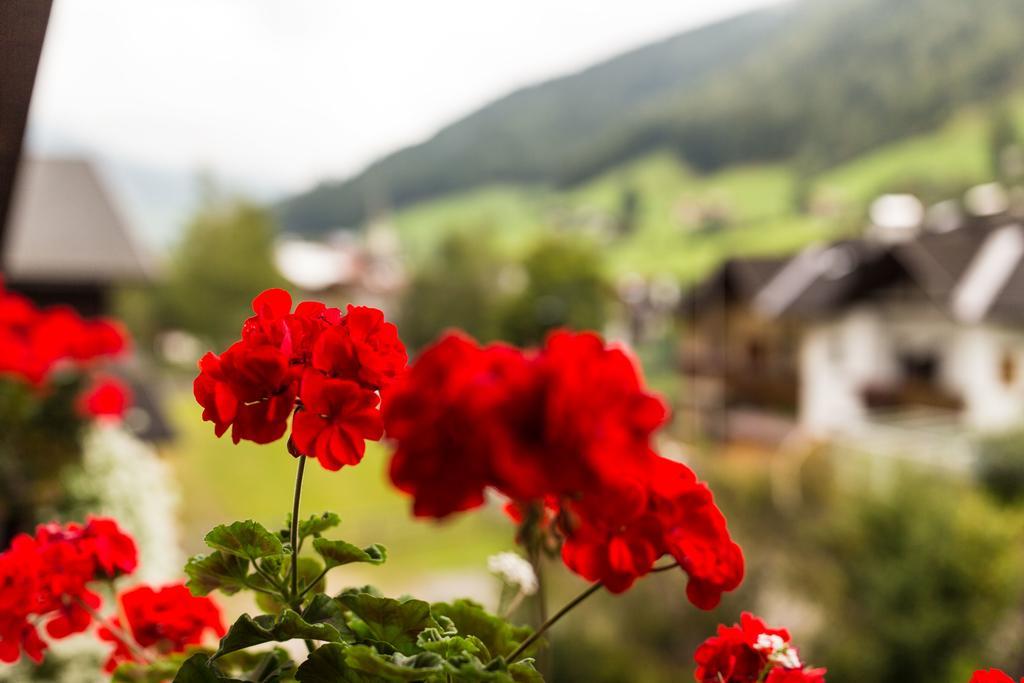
(118, 632)
(553, 619)
(313, 583)
(568, 607)
(295, 527)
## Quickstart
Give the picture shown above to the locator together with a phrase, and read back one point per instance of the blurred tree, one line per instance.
(1001, 465)
(919, 586)
(1002, 139)
(629, 211)
(224, 259)
(456, 288)
(564, 287)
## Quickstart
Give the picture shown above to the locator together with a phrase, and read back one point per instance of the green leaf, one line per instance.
(323, 609)
(397, 623)
(338, 553)
(157, 672)
(248, 631)
(197, 669)
(524, 672)
(452, 646)
(396, 667)
(327, 665)
(309, 570)
(317, 524)
(500, 637)
(246, 539)
(216, 571)
(258, 667)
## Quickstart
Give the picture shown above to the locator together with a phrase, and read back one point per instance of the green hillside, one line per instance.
(686, 221)
(808, 84)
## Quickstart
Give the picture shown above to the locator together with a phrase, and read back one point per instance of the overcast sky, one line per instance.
(286, 92)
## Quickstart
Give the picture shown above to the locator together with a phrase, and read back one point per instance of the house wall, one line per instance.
(982, 365)
(838, 358)
(985, 363)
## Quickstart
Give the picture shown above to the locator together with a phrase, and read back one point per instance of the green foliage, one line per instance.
(217, 571)
(456, 289)
(498, 637)
(338, 553)
(915, 586)
(1001, 465)
(565, 287)
(468, 287)
(388, 621)
(246, 539)
(224, 256)
(42, 435)
(265, 628)
(364, 636)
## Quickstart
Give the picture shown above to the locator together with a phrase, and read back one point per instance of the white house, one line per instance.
(924, 320)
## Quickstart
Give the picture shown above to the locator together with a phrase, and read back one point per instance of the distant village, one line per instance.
(910, 336)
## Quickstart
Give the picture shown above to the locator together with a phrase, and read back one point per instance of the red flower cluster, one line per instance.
(324, 366)
(106, 397)
(992, 676)
(565, 429)
(167, 619)
(44, 579)
(35, 342)
(749, 652)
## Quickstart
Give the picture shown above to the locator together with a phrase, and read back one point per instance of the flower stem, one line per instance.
(553, 619)
(568, 607)
(118, 632)
(295, 527)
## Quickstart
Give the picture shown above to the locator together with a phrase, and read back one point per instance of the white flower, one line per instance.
(778, 650)
(513, 570)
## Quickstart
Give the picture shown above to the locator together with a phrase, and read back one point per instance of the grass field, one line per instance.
(222, 482)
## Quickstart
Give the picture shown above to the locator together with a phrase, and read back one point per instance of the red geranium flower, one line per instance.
(780, 675)
(363, 348)
(44, 580)
(336, 418)
(442, 415)
(167, 619)
(108, 397)
(991, 676)
(314, 359)
(249, 388)
(750, 651)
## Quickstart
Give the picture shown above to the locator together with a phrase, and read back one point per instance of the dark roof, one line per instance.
(973, 273)
(825, 278)
(65, 228)
(737, 280)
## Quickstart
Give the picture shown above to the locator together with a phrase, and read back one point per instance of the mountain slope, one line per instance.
(814, 82)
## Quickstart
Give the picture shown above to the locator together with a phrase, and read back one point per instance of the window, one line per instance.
(1008, 367)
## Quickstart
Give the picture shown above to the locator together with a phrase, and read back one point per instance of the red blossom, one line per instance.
(565, 429)
(167, 619)
(249, 388)
(336, 418)
(750, 651)
(991, 676)
(107, 397)
(36, 342)
(363, 348)
(44, 579)
(440, 414)
(780, 675)
(313, 363)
